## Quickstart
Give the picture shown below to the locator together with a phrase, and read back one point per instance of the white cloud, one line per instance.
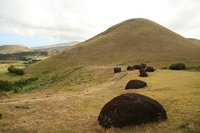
(69, 20)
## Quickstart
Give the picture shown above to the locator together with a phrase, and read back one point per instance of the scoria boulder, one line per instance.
(135, 84)
(143, 73)
(117, 69)
(130, 68)
(136, 66)
(131, 109)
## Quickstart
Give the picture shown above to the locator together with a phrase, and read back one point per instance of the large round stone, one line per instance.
(131, 109)
(135, 84)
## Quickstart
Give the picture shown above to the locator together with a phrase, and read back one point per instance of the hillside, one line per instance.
(195, 41)
(13, 49)
(131, 41)
(56, 47)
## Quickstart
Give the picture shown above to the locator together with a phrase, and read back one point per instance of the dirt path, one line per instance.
(88, 91)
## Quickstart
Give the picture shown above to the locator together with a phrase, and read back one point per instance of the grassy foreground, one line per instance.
(63, 111)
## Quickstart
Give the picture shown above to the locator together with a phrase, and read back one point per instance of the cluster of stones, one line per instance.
(131, 108)
(143, 69)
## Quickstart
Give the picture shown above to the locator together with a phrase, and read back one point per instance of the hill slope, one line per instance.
(56, 47)
(195, 41)
(13, 49)
(135, 40)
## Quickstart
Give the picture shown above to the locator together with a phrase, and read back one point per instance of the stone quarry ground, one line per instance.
(54, 110)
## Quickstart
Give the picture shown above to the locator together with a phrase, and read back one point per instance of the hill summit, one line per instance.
(131, 41)
(5, 49)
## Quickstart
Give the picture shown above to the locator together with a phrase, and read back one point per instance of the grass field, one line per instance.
(61, 110)
(5, 75)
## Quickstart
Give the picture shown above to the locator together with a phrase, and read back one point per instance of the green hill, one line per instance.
(131, 41)
(5, 49)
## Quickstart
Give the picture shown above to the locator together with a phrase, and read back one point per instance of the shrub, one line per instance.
(177, 66)
(17, 85)
(19, 71)
(150, 69)
(11, 68)
(14, 70)
(23, 82)
(6, 85)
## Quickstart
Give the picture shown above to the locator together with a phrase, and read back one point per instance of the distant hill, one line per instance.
(5, 49)
(129, 42)
(56, 47)
(195, 41)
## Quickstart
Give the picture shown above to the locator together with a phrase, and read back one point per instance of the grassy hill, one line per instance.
(56, 47)
(5, 49)
(195, 41)
(131, 41)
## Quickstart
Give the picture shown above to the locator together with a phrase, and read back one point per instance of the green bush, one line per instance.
(177, 66)
(17, 85)
(23, 82)
(150, 69)
(14, 70)
(19, 71)
(11, 68)
(6, 86)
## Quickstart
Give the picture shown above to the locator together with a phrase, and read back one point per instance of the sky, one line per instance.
(43, 22)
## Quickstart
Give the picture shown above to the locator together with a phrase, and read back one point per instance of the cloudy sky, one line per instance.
(42, 22)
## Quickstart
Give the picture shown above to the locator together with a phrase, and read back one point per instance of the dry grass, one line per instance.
(195, 41)
(177, 91)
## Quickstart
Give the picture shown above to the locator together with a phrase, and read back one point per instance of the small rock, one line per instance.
(143, 73)
(117, 69)
(21, 107)
(130, 68)
(137, 66)
(143, 66)
(184, 125)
